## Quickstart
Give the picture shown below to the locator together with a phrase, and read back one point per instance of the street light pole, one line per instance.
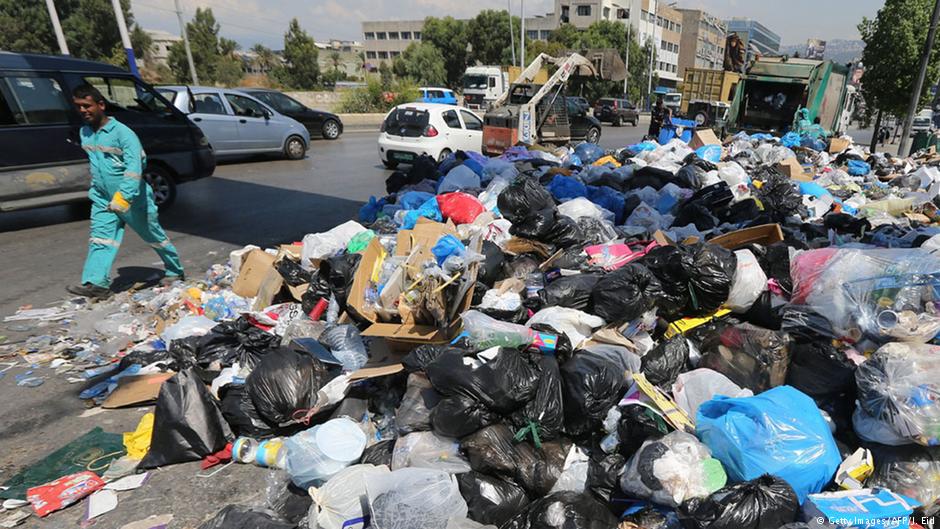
(522, 37)
(919, 83)
(512, 38)
(125, 38)
(189, 51)
(57, 27)
(626, 61)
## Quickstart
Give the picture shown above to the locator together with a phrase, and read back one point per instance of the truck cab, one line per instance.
(482, 85)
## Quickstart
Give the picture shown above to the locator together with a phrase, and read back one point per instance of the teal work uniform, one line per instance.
(117, 161)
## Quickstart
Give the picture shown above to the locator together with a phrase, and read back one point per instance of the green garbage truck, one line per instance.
(774, 88)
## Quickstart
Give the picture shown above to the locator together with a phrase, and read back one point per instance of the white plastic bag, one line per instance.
(692, 388)
(339, 502)
(573, 323)
(574, 473)
(671, 470)
(326, 244)
(187, 326)
(582, 207)
(415, 497)
(749, 282)
(429, 450)
(319, 453)
(508, 300)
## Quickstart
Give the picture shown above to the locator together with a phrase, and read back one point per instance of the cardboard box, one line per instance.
(837, 145)
(765, 234)
(137, 389)
(702, 138)
(792, 169)
(253, 272)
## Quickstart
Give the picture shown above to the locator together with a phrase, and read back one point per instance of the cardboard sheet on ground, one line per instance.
(136, 390)
(71, 458)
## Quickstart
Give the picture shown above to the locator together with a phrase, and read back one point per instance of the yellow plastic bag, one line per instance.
(607, 159)
(137, 442)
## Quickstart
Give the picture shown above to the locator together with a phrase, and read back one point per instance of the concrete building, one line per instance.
(756, 37)
(347, 52)
(703, 41)
(385, 40)
(160, 48)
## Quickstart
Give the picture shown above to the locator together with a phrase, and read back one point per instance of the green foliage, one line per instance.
(90, 29)
(488, 34)
(267, 60)
(212, 55)
(894, 41)
(374, 97)
(300, 52)
(450, 36)
(422, 63)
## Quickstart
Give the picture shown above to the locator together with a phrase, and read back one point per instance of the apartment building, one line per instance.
(703, 41)
(161, 41)
(385, 40)
(757, 37)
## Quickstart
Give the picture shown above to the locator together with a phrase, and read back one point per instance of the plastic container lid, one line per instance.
(341, 439)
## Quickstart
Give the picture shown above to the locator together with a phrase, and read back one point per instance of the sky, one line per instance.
(252, 21)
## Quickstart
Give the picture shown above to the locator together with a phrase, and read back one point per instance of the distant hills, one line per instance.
(838, 50)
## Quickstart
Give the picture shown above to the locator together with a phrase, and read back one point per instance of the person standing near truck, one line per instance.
(658, 115)
(119, 196)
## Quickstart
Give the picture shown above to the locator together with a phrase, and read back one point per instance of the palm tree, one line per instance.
(362, 60)
(336, 59)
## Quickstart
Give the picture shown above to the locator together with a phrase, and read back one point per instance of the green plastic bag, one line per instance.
(359, 241)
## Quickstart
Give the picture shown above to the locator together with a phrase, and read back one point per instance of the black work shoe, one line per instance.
(89, 290)
(169, 280)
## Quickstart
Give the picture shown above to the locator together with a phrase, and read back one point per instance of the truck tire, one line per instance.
(701, 119)
(593, 135)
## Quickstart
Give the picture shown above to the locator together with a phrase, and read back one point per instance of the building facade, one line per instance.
(345, 55)
(703, 41)
(385, 40)
(757, 37)
(160, 46)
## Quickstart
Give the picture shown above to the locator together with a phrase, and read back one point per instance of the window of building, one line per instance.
(532, 34)
(33, 101)
(584, 11)
(380, 35)
(564, 14)
(370, 55)
(678, 28)
(383, 55)
(659, 21)
(392, 35)
(623, 13)
(395, 53)
(370, 35)
(544, 34)
(417, 35)
(606, 13)
(405, 35)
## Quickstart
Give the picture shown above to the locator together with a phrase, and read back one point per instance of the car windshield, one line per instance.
(474, 82)
(921, 121)
(408, 122)
(672, 98)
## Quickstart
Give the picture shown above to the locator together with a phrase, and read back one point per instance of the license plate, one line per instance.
(403, 156)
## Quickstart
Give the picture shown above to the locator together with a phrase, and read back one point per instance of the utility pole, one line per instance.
(189, 51)
(626, 61)
(57, 27)
(919, 83)
(125, 38)
(522, 37)
(512, 38)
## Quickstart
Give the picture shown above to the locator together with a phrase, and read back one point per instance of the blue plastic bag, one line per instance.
(779, 432)
(637, 148)
(475, 161)
(858, 168)
(790, 139)
(446, 246)
(428, 210)
(760, 136)
(573, 161)
(414, 199)
(588, 152)
(711, 153)
(369, 211)
(565, 187)
(607, 198)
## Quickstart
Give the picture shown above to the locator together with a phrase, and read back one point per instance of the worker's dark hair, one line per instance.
(86, 90)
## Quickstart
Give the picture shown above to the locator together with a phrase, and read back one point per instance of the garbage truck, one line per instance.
(531, 112)
(484, 84)
(774, 88)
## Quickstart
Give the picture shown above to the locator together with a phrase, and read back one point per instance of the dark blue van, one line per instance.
(41, 162)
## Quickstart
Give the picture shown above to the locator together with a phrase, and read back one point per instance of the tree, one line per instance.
(203, 32)
(267, 59)
(335, 58)
(450, 37)
(90, 29)
(421, 62)
(894, 41)
(489, 37)
(300, 54)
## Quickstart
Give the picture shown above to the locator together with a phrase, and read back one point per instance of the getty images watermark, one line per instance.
(881, 523)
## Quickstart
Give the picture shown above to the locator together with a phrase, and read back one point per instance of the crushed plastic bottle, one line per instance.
(29, 380)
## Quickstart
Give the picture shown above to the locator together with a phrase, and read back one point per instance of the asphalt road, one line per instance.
(256, 201)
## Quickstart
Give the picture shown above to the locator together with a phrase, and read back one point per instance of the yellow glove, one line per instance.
(118, 203)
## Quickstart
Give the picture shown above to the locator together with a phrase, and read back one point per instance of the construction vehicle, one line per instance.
(774, 88)
(534, 113)
(484, 84)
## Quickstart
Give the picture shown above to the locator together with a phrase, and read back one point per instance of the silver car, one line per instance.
(237, 123)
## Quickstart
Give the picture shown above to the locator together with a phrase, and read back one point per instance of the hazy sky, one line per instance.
(251, 21)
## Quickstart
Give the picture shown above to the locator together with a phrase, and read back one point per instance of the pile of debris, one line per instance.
(703, 334)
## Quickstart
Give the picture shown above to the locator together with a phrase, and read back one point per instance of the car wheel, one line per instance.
(635, 121)
(162, 184)
(294, 148)
(618, 121)
(331, 129)
(443, 156)
(593, 134)
(390, 164)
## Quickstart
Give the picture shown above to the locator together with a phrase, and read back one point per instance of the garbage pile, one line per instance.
(700, 335)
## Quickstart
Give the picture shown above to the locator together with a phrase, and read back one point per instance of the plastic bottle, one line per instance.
(269, 453)
(317, 454)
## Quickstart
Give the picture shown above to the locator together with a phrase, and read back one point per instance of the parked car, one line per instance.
(443, 96)
(616, 111)
(581, 102)
(237, 123)
(319, 123)
(582, 125)
(42, 162)
(921, 124)
(413, 129)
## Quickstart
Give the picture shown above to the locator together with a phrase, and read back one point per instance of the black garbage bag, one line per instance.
(521, 266)
(710, 277)
(637, 424)
(545, 412)
(284, 384)
(693, 173)
(491, 500)
(226, 343)
(564, 510)
(187, 423)
(666, 361)
(764, 313)
(379, 454)
(338, 272)
(845, 223)
(564, 233)
(538, 225)
(567, 291)
(460, 415)
(502, 384)
(591, 384)
(594, 231)
(292, 273)
(523, 198)
(414, 411)
(491, 269)
(767, 502)
(778, 195)
(817, 368)
(703, 204)
(669, 264)
(424, 355)
(604, 472)
(649, 177)
(752, 357)
(626, 293)
(238, 517)
(805, 324)
(493, 451)
(774, 260)
(240, 413)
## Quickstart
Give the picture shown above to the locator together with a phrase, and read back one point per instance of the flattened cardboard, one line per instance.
(792, 169)
(252, 273)
(136, 389)
(765, 234)
(270, 286)
(837, 145)
(356, 299)
(702, 138)
(660, 237)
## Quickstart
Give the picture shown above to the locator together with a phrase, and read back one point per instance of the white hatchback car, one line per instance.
(413, 129)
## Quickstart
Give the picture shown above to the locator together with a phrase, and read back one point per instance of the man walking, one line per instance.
(119, 196)
(658, 115)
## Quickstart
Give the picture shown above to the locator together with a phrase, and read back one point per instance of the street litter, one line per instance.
(739, 333)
